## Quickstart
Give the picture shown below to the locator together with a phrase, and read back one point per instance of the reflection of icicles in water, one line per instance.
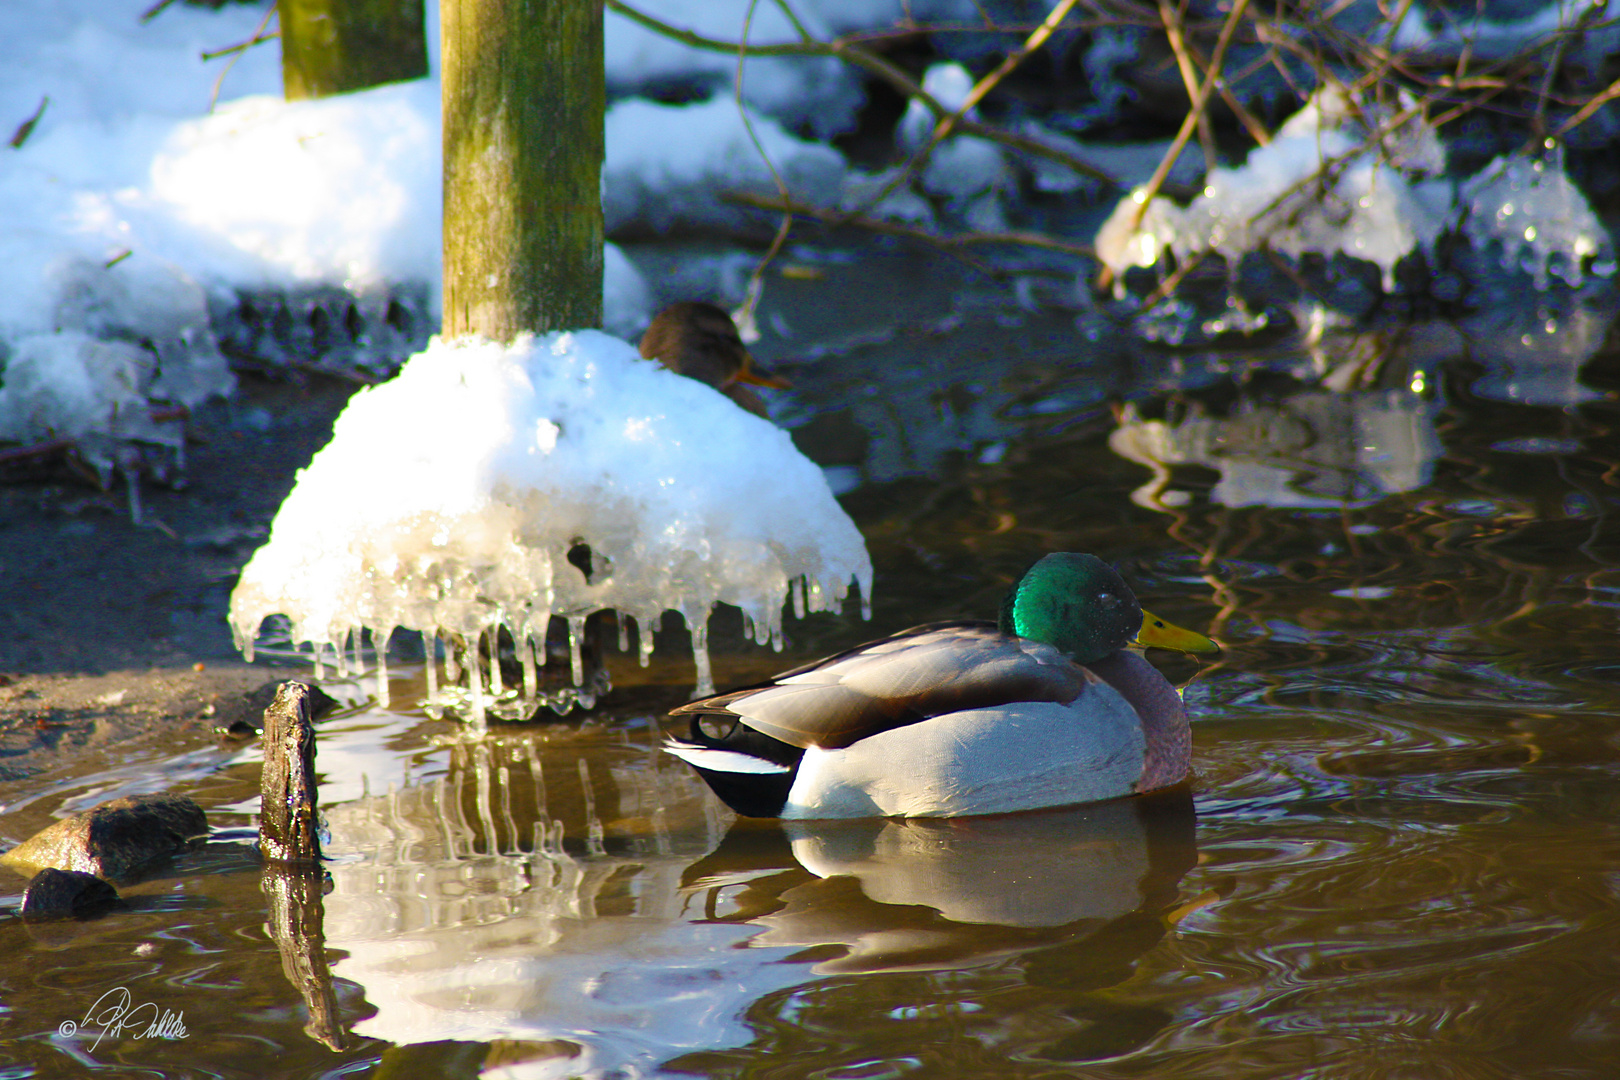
(700, 654)
(1314, 449)
(1534, 356)
(520, 458)
(525, 895)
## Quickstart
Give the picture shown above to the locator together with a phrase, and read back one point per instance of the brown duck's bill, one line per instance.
(1158, 633)
(751, 372)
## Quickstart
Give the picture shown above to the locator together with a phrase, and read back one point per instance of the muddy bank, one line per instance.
(112, 631)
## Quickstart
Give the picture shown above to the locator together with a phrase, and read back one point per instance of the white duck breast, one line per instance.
(980, 761)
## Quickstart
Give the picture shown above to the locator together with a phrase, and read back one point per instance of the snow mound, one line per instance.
(1374, 206)
(1540, 218)
(498, 460)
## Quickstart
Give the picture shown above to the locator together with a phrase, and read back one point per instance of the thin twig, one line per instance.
(1608, 94)
(845, 48)
(1251, 123)
(951, 244)
(26, 128)
(1179, 143)
(1538, 124)
(236, 52)
(848, 49)
(1147, 193)
(1171, 17)
(1008, 64)
(756, 280)
(37, 450)
(949, 122)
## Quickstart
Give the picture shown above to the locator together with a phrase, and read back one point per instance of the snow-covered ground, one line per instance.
(130, 204)
(136, 214)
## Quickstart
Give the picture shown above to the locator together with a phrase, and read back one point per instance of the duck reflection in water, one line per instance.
(928, 893)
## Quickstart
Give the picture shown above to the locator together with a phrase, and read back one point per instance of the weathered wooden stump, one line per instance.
(288, 798)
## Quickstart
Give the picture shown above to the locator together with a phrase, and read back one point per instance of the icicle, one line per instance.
(475, 685)
(379, 645)
(624, 630)
(320, 663)
(700, 656)
(132, 484)
(359, 657)
(495, 686)
(430, 650)
(576, 633)
(531, 680)
(797, 587)
(452, 660)
(340, 660)
(644, 639)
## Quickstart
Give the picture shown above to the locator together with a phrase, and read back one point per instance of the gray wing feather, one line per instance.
(899, 681)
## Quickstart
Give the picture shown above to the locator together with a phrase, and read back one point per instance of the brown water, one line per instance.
(1399, 858)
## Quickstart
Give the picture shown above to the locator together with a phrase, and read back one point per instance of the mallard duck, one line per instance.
(1048, 707)
(701, 342)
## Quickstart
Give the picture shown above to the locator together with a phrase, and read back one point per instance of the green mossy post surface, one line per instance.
(524, 95)
(334, 46)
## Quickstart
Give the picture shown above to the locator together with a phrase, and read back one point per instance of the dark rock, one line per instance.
(66, 894)
(114, 839)
(242, 716)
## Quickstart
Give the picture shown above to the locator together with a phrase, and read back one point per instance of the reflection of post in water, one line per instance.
(293, 879)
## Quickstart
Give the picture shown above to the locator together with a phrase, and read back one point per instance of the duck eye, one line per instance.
(1108, 600)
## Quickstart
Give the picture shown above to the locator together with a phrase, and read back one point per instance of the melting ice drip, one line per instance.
(449, 499)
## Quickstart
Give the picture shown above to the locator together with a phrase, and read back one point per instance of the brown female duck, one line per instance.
(700, 341)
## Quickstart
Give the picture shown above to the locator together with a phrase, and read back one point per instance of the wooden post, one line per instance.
(334, 46)
(524, 95)
(288, 799)
(294, 881)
